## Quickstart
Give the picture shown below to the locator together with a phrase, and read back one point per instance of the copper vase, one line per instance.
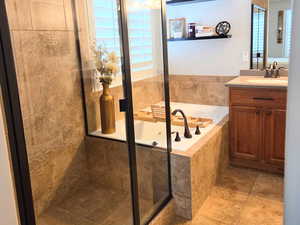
(107, 109)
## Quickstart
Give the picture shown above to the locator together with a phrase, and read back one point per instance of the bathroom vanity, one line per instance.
(257, 122)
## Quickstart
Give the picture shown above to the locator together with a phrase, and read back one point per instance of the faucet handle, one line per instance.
(197, 132)
(274, 65)
(177, 139)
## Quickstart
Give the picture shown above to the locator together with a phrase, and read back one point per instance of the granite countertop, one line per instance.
(258, 82)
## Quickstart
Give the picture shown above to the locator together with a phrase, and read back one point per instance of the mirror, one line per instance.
(271, 33)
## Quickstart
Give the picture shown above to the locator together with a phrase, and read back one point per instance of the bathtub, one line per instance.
(196, 163)
(154, 134)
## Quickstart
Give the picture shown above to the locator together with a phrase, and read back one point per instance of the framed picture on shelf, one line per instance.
(177, 28)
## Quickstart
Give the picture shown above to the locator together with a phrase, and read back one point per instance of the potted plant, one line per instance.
(107, 67)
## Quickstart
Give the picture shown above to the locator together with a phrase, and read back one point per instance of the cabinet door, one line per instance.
(274, 136)
(245, 133)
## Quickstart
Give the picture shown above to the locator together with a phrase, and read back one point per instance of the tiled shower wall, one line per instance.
(47, 64)
(49, 85)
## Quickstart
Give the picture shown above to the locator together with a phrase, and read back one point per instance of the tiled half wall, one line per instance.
(195, 172)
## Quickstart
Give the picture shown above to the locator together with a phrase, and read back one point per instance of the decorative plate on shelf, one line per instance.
(223, 28)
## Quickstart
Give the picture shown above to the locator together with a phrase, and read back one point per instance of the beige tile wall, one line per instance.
(50, 94)
(207, 90)
(195, 172)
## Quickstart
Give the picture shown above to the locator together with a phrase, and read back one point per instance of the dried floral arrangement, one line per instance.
(107, 64)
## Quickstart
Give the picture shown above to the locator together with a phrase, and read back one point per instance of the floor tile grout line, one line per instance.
(242, 210)
(215, 220)
(238, 221)
(254, 184)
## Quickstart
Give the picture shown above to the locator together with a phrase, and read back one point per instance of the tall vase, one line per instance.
(107, 109)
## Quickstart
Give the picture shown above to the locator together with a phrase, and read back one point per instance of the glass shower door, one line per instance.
(133, 31)
(150, 98)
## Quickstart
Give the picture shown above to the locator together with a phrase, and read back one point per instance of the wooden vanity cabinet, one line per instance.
(274, 137)
(257, 128)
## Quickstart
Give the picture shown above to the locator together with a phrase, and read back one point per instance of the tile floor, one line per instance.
(93, 206)
(242, 197)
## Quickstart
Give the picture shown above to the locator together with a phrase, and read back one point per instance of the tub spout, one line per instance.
(187, 133)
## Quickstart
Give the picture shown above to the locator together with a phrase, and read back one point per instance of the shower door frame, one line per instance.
(15, 128)
(127, 84)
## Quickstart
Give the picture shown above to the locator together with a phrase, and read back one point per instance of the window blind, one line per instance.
(288, 32)
(258, 33)
(140, 35)
(258, 38)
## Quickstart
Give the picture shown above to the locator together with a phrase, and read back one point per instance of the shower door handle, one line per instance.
(123, 105)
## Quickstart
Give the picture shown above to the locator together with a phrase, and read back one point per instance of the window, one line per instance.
(140, 35)
(288, 32)
(140, 39)
(106, 31)
(258, 37)
(259, 32)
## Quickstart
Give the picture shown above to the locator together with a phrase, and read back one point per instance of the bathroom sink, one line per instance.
(266, 80)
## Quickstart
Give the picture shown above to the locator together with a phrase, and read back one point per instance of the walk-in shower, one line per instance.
(79, 174)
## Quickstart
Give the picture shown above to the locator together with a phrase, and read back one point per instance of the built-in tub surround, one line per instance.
(195, 171)
(149, 132)
(195, 162)
(199, 89)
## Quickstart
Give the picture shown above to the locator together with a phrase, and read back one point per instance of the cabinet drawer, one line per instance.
(260, 97)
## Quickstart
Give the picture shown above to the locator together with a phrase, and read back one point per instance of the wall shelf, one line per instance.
(201, 38)
(181, 2)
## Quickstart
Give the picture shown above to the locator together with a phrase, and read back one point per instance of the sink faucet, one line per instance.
(273, 70)
(187, 133)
